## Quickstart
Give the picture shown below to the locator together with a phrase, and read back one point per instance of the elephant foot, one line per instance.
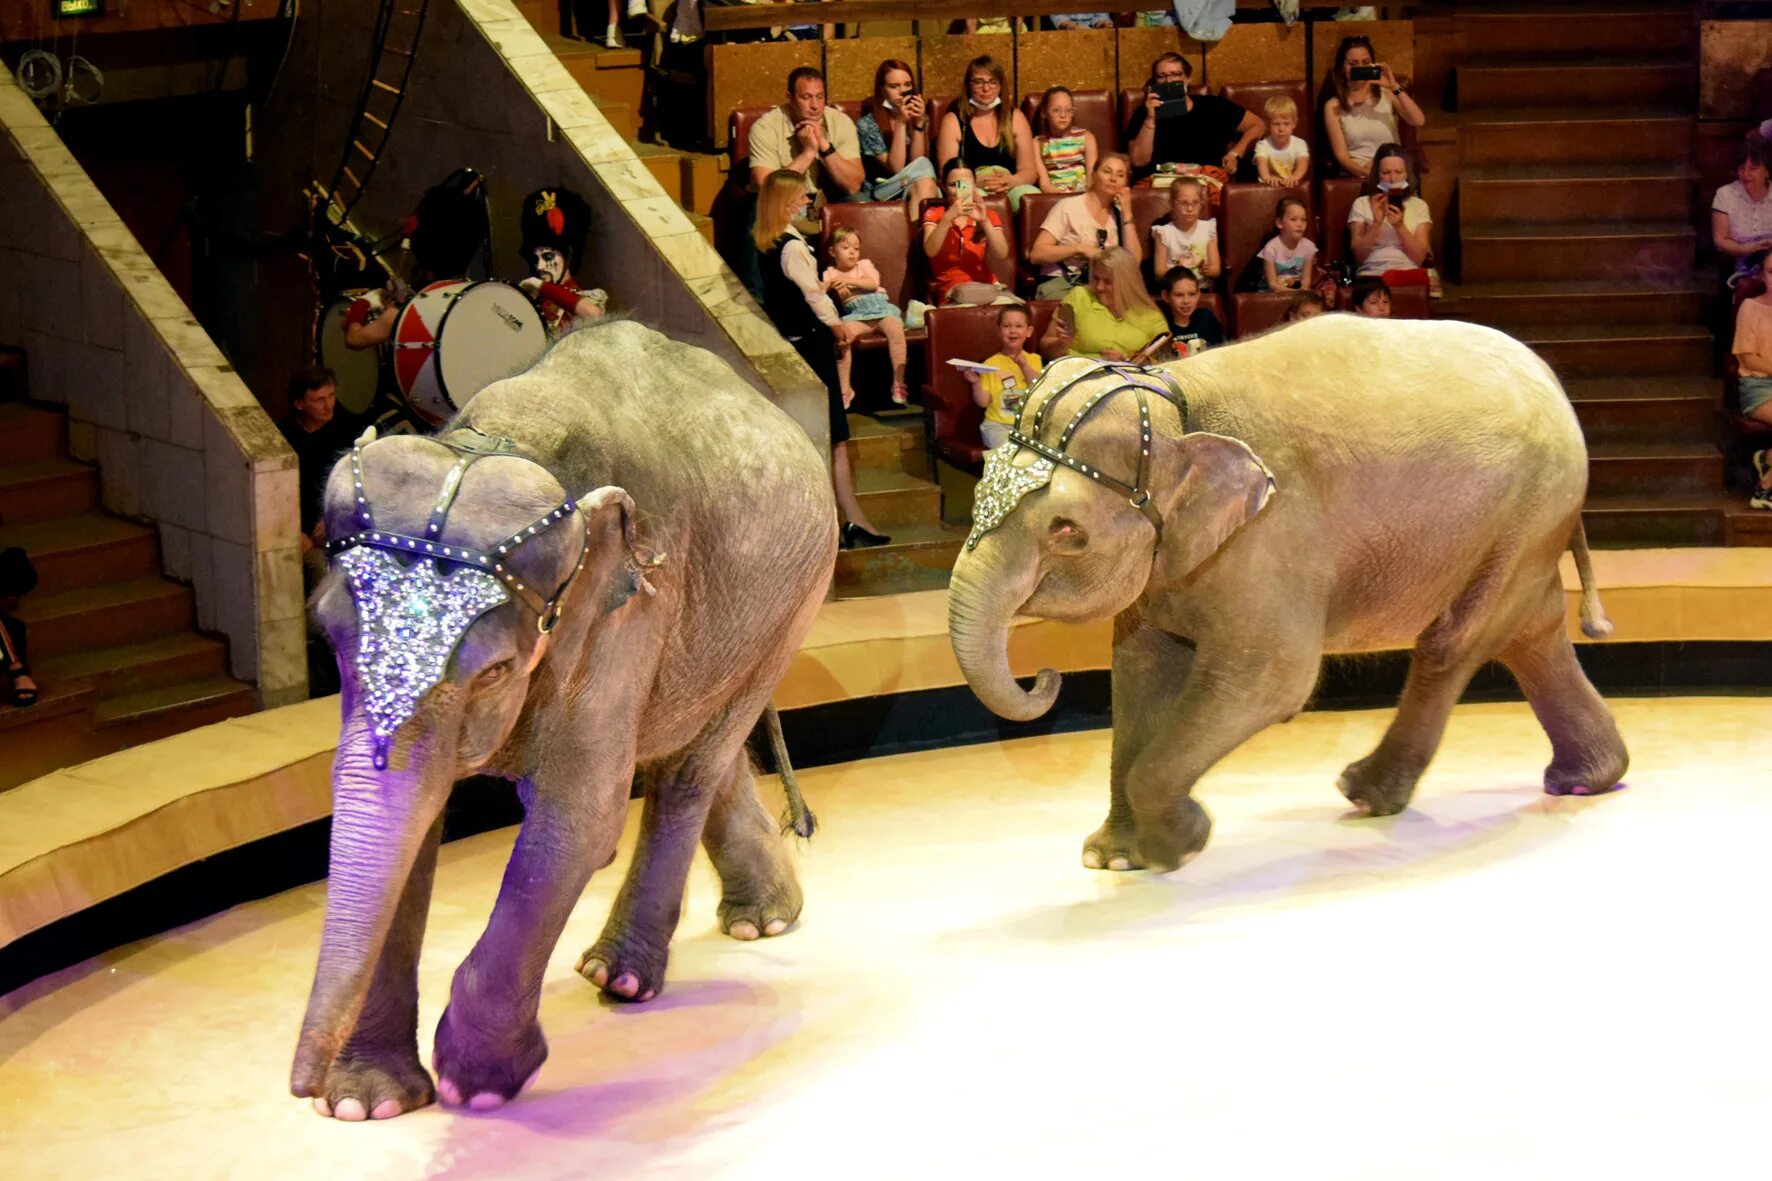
(1375, 788)
(623, 968)
(482, 1076)
(759, 891)
(1169, 840)
(365, 1084)
(1112, 846)
(1592, 777)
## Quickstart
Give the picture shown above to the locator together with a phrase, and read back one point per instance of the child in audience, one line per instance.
(1282, 159)
(1372, 298)
(1192, 328)
(1305, 306)
(855, 282)
(1017, 366)
(1186, 239)
(1065, 154)
(1288, 260)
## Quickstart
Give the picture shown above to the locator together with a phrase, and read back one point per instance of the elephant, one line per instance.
(625, 545)
(1336, 485)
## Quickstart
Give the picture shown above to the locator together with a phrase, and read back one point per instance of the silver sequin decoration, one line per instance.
(409, 621)
(1003, 486)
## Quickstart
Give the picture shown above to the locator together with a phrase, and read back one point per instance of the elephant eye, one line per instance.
(1066, 535)
(495, 672)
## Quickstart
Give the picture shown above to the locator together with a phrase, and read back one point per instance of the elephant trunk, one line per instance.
(982, 599)
(380, 822)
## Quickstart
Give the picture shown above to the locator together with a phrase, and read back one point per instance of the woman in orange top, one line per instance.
(961, 237)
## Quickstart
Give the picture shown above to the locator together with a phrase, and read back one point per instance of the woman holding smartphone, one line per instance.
(1111, 317)
(1080, 227)
(1389, 225)
(894, 137)
(1363, 113)
(960, 239)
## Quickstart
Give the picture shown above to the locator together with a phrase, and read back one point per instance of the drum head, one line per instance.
(357, 371)
(490, 332)
(415, 334)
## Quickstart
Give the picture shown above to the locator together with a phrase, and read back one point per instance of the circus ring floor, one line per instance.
(1493, 984)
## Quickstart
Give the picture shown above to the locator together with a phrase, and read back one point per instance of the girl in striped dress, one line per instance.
(1066, 154)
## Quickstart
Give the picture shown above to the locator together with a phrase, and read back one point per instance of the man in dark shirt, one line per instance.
(318, 434)
(1197, 129)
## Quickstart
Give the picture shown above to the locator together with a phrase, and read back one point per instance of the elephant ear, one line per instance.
(609, 511)
(1223, 486)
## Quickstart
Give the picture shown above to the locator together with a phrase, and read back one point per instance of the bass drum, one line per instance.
(357, 371)
(454, 339)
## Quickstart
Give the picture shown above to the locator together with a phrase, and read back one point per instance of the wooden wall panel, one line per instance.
(753, 75)
(1394, 42)
(945, 58)
(1082, 59)
(849, 65)
(1256, 53)
(1729, 53)
(1138, 48)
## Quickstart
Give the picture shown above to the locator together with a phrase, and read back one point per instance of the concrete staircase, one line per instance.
(1575, 235)
(113, 644)
(891, 468)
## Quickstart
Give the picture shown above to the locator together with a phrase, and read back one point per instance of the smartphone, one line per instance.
(1397, 193)
(1174, 96)
(1101, 239)
(1364, 73)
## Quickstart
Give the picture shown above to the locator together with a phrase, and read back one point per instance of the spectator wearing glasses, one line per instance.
(984, 130)
(1203, 132)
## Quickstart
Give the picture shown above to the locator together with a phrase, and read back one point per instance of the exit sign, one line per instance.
(65, 9)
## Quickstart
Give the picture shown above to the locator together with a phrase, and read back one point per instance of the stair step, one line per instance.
(920, 557)
(1576, 250)
(1631, 191)
(54, 700)
(105, 616)
(207, 696)
(1596, 350)
(1514, 81)
(1746, 526)
(886, 447)
(1642, 522)
(1542, 31)
(1641, 410)
(13, 379)
(1653, 469)
(703, 178)
(1509, 305)
(892, 498)
(1550, 135)
(30, 433)
(43, 489)
(666, 167)
(148, 664)
(85, 550)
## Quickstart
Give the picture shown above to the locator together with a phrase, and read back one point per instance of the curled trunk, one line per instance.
(982, 599)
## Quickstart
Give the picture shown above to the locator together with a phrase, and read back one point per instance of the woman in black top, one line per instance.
(992, 139)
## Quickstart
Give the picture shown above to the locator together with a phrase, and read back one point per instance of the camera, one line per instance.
(1364, 73)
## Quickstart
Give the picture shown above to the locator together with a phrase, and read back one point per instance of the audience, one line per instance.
(1389, 223)
(318, 434)
(796, 301)
(1080, 227)
(1288, 260)
(814, 141)
(1192, 328)
(18, 578)
(856, 284)
(1065, 154)
(1282, 158)
(895, 157)
(1000, 393)
(1753, 356)
(986, 131)
(1198, 131)
(1361, 115)
(959, 239)
(1305, 306)
(1112, 317)
(1184, 238)
(1372, 298)
(1741, 212)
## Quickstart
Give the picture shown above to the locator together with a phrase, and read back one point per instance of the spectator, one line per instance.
(1371, 298)
(1288, 260)
(1361, 115)
(806, 137)
(1192, 328)
(1389, 224)
(1306, 306)
(1082, 20)
(318, 433)
(1197, 131)
(856, 283)
(17, 579)
(959, 239)
(1741, 212)
(1066, 153)
(994, 141)
(993, 24)
(1184, 238)
(1753, 355)
(896, 155)
(1282, 158)
(1080, 227)
(1001, 393)
(1112, 317)
(795, 300)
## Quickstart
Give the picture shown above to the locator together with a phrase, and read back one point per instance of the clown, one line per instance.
(554, 226)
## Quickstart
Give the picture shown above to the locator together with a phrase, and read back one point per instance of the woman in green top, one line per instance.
(1112, 317)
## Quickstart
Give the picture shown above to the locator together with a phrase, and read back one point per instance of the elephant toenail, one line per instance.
(1091, 859)
(743, 930)
(530, 1081)
(449, 1093)
(349, 1110)
(626, 984)
(775, 927)
(1119, 863)
(323, 1107)
(386, 1109)
(486, 1101)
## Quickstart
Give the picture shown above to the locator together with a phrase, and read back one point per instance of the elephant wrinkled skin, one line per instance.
(667, 684)
(1426, 477)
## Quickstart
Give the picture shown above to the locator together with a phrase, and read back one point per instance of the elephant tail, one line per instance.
(1594, 624)
(798, 819)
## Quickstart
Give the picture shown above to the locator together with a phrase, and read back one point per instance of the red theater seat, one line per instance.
(1253, 97)
(1407, 303)
(885, 242)
(1257, 311)
(951, 416)
(1094, 112)
(1338, 196)
(1246, 218)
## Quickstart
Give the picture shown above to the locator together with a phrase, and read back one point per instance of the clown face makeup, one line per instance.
(549, 265)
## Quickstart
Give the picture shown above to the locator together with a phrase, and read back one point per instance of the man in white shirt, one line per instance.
(808, 137)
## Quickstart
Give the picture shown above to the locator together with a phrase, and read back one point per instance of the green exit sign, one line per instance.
(65, 9)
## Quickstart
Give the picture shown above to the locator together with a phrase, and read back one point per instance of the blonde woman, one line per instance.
(1112, 317)
(795, 299)
(993, 138)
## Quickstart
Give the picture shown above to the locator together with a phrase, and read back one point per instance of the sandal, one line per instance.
(18, 694)
(901, 393)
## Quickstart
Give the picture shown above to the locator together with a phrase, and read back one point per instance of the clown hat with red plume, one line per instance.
(558, 218)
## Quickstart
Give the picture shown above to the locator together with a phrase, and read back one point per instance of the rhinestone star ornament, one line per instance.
(410, 620)
(1002, 487)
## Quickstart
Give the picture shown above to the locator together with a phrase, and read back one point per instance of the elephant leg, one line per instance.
(759, 891)
(1382, 783)
(1588, 756)
(1150, 669)
(1239, 685)
(378, 1073)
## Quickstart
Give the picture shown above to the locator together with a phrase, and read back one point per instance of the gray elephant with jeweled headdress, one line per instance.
(1338, 485)
(602, 565)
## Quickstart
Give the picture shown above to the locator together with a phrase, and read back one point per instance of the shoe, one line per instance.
(1434, 290)
(637, 8)
(18, 695)
(900, 393)
(612, 38)
(1761, 466)
(1762, 498)
(855, 537)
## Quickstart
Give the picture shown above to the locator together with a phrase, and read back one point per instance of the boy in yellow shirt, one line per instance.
(1000, 393)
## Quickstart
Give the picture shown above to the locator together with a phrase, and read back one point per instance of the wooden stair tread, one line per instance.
(875, 480)
(1618, 61)
(1664, 450)
(1687, 502)
(915, 537)
(65, 534)
(16, 476)
(863, 426)
(1578, 170)
(1643, 389)
(86, 664)
(1598, 113)
(1576, 288)
(1560, 333)
(54, 700)
(134, 707)
(40, 608)
(1576, 229)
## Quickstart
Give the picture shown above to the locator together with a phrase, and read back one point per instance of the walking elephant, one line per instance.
(601, 565)
(1339, 485)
